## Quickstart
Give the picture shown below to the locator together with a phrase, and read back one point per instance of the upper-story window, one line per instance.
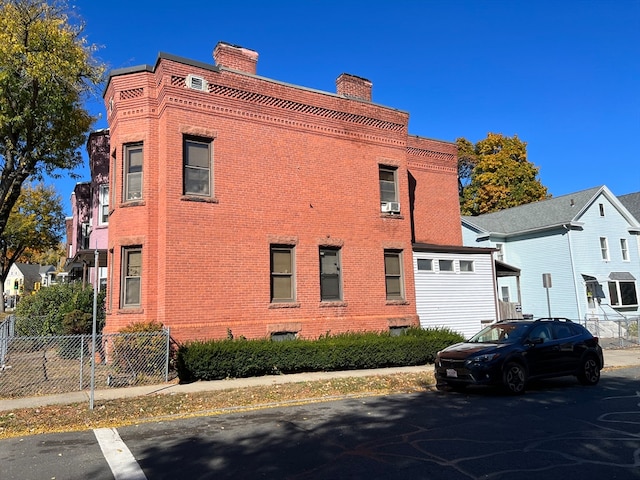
(425, 264)
(197, 167)
(445, 265)
(466, 266)
(500, 252)
(624, 249)
(103, 205)
(601, 208)
(133, 172)
(604, 248)
(388, 189)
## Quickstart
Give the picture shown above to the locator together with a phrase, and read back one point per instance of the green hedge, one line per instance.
(240, 358)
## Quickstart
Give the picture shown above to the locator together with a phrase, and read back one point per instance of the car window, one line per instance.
(500, 333)
(562, 331)
(541, 332)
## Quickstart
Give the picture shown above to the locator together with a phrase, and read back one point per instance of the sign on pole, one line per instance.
(546, 283)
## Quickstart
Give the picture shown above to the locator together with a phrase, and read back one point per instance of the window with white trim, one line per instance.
(604, 248)
(103, 205)
(445, 265)
(624, 249)
(623, 294)
(504, 290)
(425, 264)
(466, 266)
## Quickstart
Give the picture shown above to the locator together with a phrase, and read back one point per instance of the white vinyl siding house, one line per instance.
(462, 296)
(563, 236)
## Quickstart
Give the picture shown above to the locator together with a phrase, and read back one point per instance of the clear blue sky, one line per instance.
(562, 75)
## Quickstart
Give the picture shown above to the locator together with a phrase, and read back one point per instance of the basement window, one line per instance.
(283, 336)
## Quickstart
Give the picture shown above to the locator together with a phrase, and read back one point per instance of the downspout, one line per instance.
(573, 272)
(496, 303)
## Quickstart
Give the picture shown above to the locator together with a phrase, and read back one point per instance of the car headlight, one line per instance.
(487, 357)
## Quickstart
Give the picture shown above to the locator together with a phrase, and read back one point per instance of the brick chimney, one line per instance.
(235, 57)
(353, 87)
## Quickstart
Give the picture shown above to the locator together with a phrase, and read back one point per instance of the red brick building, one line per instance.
(244, 204)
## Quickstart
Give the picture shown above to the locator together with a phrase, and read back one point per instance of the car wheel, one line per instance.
(589, 373)
(514, 378)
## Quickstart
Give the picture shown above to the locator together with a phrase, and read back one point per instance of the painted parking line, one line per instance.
(120, 459)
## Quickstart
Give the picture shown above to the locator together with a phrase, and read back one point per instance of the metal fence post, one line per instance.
(166, 363)
(81, 359)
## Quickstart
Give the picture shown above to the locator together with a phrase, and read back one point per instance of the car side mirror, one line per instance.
(535, 341)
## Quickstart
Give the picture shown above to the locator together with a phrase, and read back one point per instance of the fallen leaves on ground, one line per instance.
(129, 411)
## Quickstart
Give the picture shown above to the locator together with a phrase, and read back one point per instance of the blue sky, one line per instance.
(562, 75)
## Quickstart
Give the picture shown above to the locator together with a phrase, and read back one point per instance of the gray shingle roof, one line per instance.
(631, 202)
(536, 216)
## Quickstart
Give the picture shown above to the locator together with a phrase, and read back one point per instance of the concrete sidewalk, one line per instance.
(613, 358)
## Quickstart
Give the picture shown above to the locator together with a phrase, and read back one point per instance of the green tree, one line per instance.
(47, 69)
(36, 225)
(502, 177)
(58, 310)
(467, 160)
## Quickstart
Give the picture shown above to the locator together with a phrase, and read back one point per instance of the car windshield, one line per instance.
(500, 333)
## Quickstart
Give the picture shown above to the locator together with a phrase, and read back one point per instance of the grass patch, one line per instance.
(131, 411)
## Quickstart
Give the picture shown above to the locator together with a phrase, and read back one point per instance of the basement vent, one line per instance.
(196, 83)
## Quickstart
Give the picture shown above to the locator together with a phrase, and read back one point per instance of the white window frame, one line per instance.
(103, 205)
(617, 300)
(425, 261)
(467, 262)
(504, 293)
(624, 249)
(604, 249)
(446, 261)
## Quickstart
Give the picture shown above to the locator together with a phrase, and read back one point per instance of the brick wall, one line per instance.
(291, 166)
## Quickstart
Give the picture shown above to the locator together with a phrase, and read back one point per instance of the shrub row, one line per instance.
(240, 358)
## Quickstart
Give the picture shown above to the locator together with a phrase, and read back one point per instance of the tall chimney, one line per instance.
(353, 87)
(235, 57)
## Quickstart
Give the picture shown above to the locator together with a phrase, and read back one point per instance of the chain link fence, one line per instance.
(617, 332)
(44, 365)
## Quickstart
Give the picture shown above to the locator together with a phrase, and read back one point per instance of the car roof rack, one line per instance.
(553, 319)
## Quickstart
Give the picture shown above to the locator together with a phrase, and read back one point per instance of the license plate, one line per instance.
(452, 373)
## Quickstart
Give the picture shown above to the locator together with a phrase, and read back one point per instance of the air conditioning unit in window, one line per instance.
(196, 83)
(390, 207)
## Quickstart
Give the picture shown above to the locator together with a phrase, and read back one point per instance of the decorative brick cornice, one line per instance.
(289, 106)
(420, 152)
(414, 165)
